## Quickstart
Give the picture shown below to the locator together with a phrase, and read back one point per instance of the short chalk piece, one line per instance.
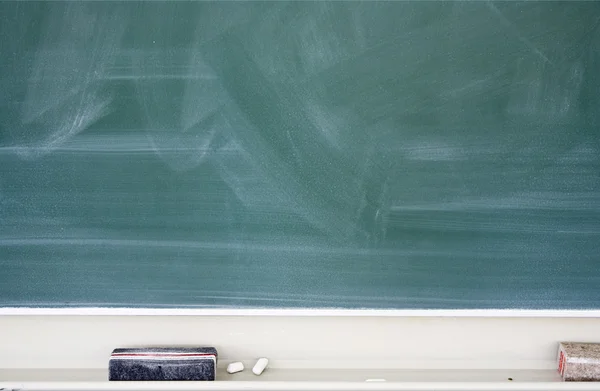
(260, 366)
(235, 367)
(150, 364)
(579, 361)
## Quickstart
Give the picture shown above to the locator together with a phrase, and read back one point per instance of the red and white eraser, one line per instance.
(579, 361)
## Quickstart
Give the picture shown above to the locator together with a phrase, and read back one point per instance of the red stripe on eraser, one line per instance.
(561, 361)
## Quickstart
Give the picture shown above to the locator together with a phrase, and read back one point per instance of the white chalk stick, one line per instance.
(235, 367)
(260, 366)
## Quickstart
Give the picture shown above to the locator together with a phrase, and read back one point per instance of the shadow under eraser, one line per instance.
(163, 364)
(579, 361)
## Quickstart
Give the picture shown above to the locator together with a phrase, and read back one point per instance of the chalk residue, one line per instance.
(250, 186)
(509, 25)
(64, 96)
(182, 113)
(550, 91)
(433, 151)
(312, 41)
(330, 124)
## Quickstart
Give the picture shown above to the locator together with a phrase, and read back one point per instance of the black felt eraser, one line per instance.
(172, 364)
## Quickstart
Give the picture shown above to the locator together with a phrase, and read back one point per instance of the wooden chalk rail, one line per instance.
(310, 350)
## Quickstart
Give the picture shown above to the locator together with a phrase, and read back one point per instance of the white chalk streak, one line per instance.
(63, 94)
(520, 36)
(187, 127)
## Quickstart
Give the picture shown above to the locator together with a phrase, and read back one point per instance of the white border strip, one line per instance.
(486, 313)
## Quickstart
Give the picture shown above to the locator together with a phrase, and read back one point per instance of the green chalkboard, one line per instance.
(403, 154)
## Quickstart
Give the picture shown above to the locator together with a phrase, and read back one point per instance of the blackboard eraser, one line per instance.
(579, 361)
(163, 364)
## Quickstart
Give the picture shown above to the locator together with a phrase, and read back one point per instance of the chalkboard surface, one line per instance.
(300, 154)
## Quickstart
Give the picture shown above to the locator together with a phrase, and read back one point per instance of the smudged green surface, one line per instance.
(300, 154)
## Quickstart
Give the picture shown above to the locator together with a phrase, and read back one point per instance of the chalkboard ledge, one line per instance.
(68, 352)
(301, 379)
